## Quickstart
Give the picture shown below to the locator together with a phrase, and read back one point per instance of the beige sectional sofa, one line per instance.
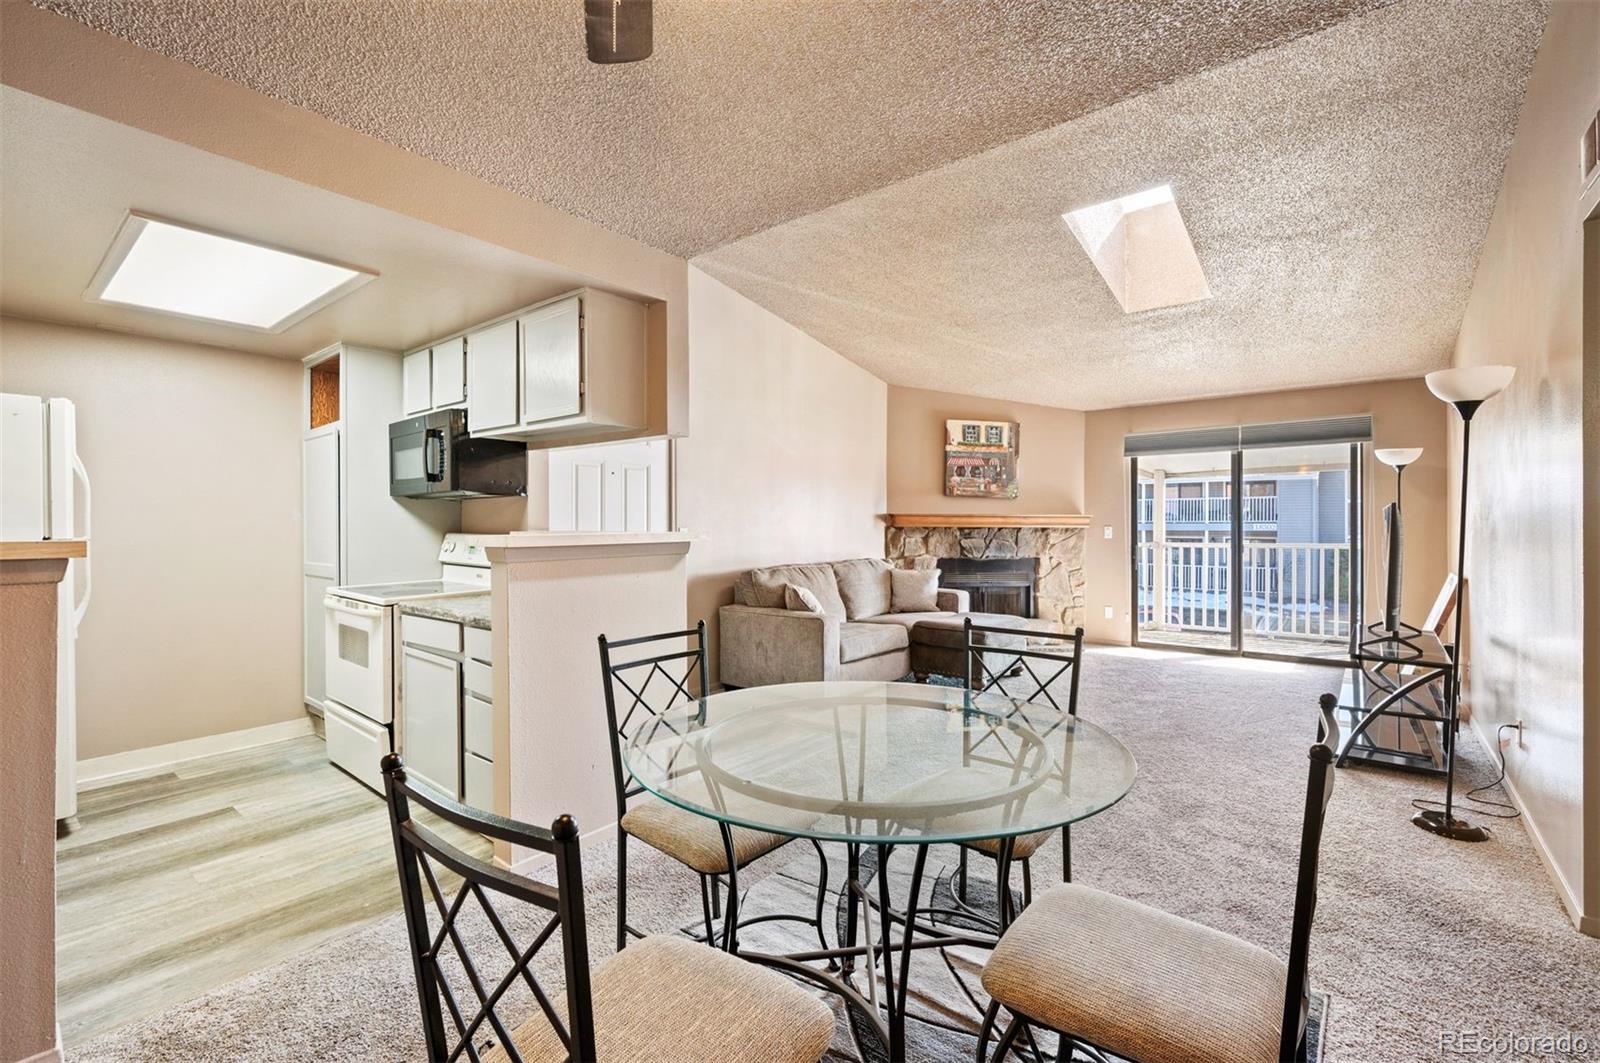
(855, 636)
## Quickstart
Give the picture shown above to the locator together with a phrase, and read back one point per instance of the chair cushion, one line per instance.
(950, 633)
(864, 586)
(670, 1000)
(693, 839)
(1142, 983)
(914, 590)
(860, 641)
(764, 587)
(1025, 845)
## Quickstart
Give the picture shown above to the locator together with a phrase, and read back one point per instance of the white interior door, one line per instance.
(612, 487)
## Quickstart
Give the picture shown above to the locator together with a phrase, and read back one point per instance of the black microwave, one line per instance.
(432, 456)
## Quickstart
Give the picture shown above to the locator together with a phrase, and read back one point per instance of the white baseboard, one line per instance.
(528, 864)
(99, 771)
(1587, 924)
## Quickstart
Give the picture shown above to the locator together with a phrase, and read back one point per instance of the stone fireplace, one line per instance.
(1055, 542)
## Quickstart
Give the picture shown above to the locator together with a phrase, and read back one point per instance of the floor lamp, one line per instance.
(1466, 388)
(1397, 458)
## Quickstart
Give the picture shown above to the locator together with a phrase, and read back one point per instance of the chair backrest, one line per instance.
(987, 666)
(631, 701)
(1319, 791)
(418, 852)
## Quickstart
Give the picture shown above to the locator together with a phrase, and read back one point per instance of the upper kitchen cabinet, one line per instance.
(492, 379)
(571, 368)
(434, 377)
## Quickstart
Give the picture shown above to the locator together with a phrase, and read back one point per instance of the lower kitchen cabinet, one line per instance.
(446, 707)
(431, 718)
(479, 782)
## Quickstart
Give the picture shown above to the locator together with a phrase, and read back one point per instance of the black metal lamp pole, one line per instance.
(1433, 820)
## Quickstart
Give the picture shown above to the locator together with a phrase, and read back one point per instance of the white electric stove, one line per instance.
(361, 652)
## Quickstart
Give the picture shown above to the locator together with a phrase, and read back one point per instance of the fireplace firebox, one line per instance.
(997, 584)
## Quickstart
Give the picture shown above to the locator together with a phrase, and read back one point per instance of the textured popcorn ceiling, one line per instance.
(750, 112)
(1337, 190)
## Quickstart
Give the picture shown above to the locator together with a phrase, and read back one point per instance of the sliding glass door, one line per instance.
(1298, 563)
(1253, 548)
(1183, 558)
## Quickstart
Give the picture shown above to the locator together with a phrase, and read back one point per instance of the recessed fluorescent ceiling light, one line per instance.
(1141, 248)
(176, 269)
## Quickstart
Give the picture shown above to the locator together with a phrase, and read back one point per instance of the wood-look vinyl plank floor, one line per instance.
(180, 881)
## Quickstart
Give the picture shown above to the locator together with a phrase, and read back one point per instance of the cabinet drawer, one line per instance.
(478, 735)
(479, 782)
(355, 743)
(479, 644)
(435, 634)
(478, 678)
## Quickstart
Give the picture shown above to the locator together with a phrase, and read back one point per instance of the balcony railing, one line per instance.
(1258, 509)
(1298, 589)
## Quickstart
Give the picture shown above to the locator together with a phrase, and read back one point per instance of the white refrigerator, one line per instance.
(44, 494)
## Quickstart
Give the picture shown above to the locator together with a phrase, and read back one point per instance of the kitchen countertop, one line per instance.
(469, 609)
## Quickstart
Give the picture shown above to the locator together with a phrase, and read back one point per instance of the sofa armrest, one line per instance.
(759, 647)
(954, 601)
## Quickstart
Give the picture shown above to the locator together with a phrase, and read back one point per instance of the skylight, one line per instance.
(175, 269)
(1140, 246)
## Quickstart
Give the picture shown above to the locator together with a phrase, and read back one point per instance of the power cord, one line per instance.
(1423, 804)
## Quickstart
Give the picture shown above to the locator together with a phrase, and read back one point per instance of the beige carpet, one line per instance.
(1417, 938)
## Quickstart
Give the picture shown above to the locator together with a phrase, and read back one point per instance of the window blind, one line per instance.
(1356, 429)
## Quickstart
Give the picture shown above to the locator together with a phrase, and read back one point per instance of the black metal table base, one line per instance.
(871, 919)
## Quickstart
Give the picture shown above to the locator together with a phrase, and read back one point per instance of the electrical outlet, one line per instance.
(1109, 532)
(1110, 613)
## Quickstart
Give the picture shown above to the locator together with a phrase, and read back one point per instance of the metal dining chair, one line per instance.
(712, 849)
(988, 666)
(667, 999)
(1124, 978)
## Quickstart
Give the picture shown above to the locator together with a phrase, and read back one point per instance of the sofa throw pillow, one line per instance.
(864, 586)
(914, 590)
(800, 600)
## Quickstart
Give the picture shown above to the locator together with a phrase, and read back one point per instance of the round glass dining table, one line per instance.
(879, 765)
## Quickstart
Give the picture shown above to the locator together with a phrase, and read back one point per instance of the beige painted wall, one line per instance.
(1403, 413)
(1525, 520)
(1049, 459)
(785, 456)
(194, 457)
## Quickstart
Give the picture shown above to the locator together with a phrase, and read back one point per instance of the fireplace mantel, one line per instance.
(995, 520)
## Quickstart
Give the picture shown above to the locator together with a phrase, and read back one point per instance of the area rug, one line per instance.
(1418, 939)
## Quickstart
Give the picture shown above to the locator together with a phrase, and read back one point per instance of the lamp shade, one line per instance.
(1398, 457)
(1470, 383)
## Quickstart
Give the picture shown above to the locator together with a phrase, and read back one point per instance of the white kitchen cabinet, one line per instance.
(478, 783)
(416, 383)
(449, 365)
(552, 362)
(430, 707)
(492, 390)
(568, 369)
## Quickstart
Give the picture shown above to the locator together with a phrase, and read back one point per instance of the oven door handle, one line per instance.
(433, 447)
